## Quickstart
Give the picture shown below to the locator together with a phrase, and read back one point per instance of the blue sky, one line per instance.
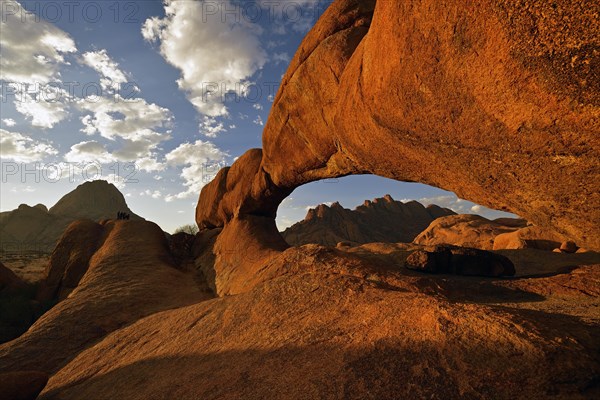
(154, 96)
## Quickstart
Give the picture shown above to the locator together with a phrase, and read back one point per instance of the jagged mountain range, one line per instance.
(381, 220)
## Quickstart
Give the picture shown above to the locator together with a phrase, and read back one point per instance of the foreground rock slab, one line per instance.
(341, 329)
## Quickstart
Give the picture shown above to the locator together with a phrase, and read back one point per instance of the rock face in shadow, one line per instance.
(460, 261)
(130, 274)
(39, 229)
(9, 280)
(380, 220)
(485, 100)
(22, 385)
(70, 260)
(465, 230)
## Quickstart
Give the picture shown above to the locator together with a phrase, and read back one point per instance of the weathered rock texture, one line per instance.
(70, 259)
(380, 220)
(486, 99)
(531, 237)
(465, 230)
(496, 101)
(130, 274)
(336, 327)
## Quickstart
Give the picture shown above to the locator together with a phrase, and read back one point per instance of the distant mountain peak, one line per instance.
(94, 200)
(38, 228)
(379, 220)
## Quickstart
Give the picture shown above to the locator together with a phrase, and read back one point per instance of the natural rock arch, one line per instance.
(496, 101)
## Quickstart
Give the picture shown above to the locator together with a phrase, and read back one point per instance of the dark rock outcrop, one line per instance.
(22, 385)
(568, 247)
(9, 280)
(460, 261)
(70, 260)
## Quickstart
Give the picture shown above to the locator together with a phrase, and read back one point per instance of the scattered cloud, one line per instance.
(32, 49)
(90, 151)
(140, 126)
(477, 208)
(44, 112)
(21, 148)
(112, 77)
(210, 127)
(201, 161)
(215, 57)
(156, 194)
(279, 58)
(9, 122)
(128, 119)
(258, 120)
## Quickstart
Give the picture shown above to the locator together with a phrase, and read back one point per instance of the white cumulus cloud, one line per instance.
(111, 75)
(210, 127)
(138, 125)
(21, 148)
(31, 54)
(201, 161)
(90, 151)
(32, 50)
(9, 122)
(214, 56)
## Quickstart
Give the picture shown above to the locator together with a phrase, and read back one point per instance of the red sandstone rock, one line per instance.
(531, 237)
(463, 230)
